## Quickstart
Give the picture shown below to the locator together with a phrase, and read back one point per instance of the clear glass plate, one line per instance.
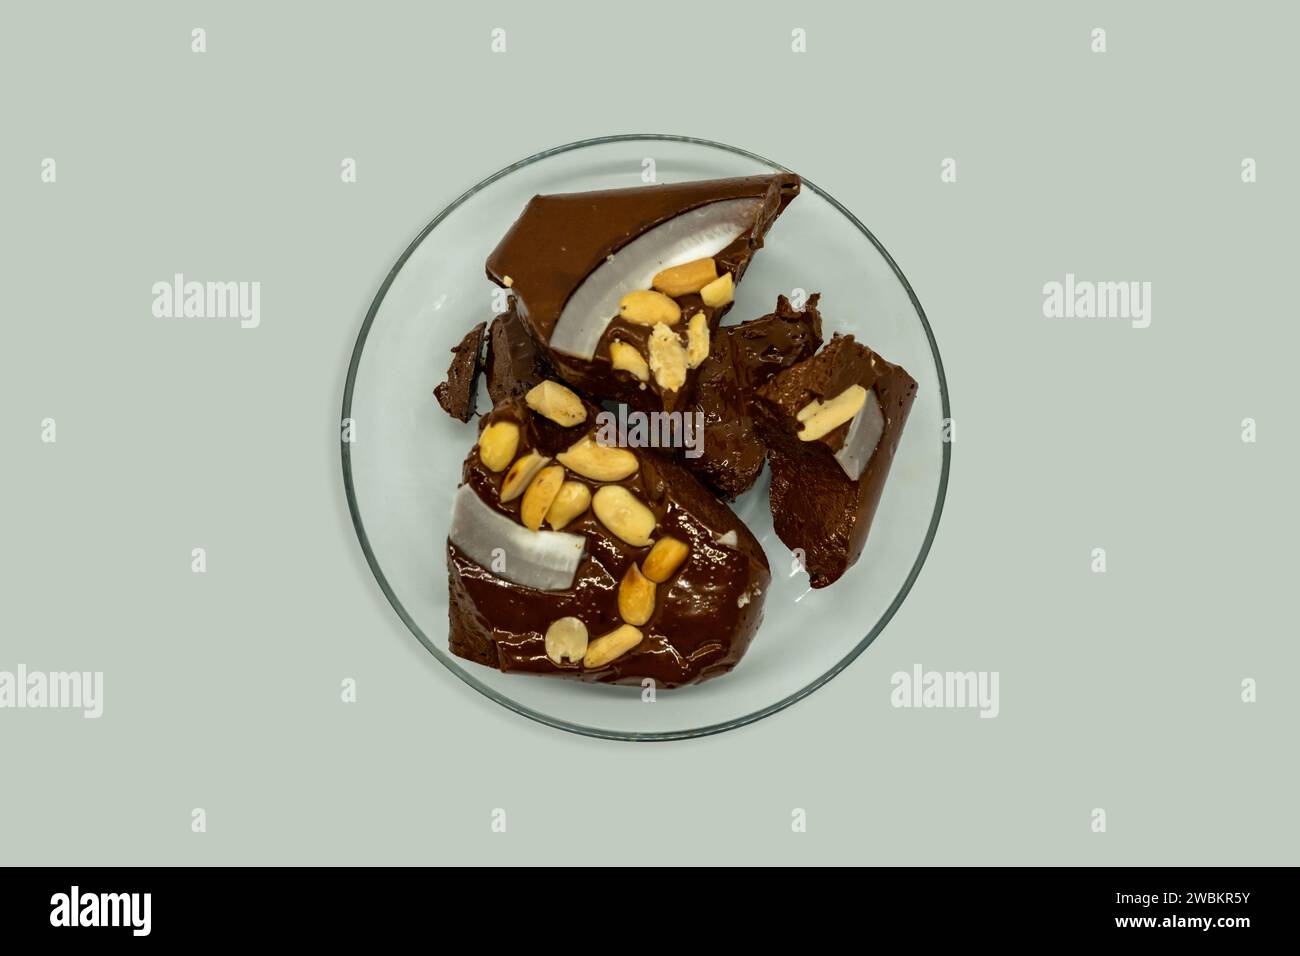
(404, 463)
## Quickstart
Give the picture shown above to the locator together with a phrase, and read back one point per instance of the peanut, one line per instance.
(566, 639)
(540, 496)
(646, 307)
(719, 292)
(688, 277)
(664, 558)
(521, 473)
(598, 462)
(636, 596)
(556, 402)
(626, 358)
(498, 444)
(667, 358)
(624, 515)
(820, 417)
(570, 502)
(608, 647)
(697, 340)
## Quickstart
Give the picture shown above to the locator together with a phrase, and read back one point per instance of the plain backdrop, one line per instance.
(1119, 691)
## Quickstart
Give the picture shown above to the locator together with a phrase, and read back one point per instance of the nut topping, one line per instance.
(570, 502)
(611, 646)
(647, 307)
(697, 340)
(664, 558)
(719, 292)
(556, 402)
(685, 278)
(598, 462)
(624, 515)
(521, 474)
(636, 596)
(626, 358)
(667, 358)
(540, 496)
(498, 444)
(820, 417)
(566, 639)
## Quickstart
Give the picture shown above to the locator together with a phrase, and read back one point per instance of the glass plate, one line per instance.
(404, 463)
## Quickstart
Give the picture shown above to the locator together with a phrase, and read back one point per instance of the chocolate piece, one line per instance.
(570, 258)
(457, 394)
(706, 609)
(742, 359)
(514, 362)
(818, 502)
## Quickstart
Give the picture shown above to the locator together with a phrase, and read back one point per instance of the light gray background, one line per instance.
(1119, 691)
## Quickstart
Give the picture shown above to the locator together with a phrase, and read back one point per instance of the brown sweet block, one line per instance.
(456, 395)
(570, 258)
(509, 584)
(825, 490)
(514, 362)
(743, 358)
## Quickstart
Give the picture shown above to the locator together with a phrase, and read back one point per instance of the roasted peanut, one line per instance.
(521, 474)
(623, 514)
(540, 496)
(556, 402)
(667, 358)
(664, 558)
(719, 292)
(598, 462)
(601, 650)
(646, 307)
(697, 340)
(624, 357)
(820, 417)
(570, 502)
(636, 596)
(688, 277)
(566, 639)
(497, 445)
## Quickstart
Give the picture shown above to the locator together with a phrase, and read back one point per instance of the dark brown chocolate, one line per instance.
(742, 359)
(559, 240)
(705, 614)
(456, 395)
(514, 362)
(816, 507)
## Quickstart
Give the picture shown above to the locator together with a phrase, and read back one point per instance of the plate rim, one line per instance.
(569, 726)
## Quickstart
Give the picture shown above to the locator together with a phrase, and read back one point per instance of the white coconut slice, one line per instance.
(544, 560)
(862, 437)
(701, 232)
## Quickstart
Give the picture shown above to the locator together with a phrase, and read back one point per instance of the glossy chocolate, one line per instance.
(560, 239)
(743, 358)
(514, 362)
(705, 614)
(456, 395)
(815, 506)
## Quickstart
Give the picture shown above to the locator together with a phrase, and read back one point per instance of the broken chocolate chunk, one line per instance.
(742, 359)
(635, 570)
(609, 284)
(514, 362)
(832, 425)
(457, 394)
